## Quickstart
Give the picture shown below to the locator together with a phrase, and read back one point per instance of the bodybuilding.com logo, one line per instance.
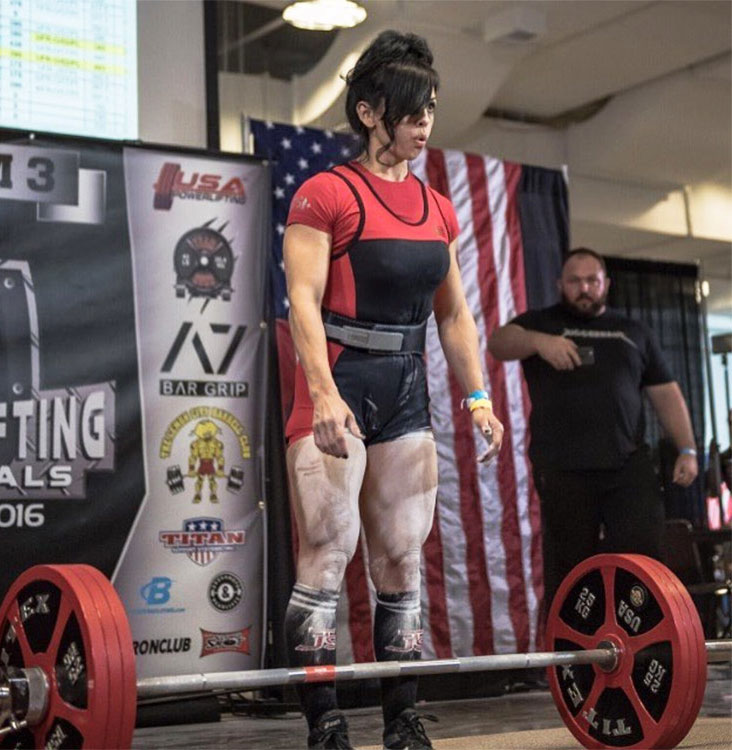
(156, 593)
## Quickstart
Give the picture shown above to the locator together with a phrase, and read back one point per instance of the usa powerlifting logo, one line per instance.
(202, 539)
(173, 182)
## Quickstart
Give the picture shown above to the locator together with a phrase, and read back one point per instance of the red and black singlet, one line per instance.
(389, 255)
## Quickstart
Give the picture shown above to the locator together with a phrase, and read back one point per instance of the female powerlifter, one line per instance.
(370, 252)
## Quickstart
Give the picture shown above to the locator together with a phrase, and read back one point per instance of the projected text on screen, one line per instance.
(69, 66)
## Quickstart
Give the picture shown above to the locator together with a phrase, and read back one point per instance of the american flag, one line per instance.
(295, 153)
(482, 582)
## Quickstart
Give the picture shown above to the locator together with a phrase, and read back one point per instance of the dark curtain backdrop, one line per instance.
(664, 295)
(544, 211)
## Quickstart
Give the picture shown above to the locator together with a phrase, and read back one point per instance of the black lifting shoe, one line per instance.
(406, 732)
(331, 731)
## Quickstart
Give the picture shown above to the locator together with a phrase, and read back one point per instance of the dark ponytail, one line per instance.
(395, 69)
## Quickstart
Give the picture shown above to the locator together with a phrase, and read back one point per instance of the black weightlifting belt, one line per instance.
(376, 338)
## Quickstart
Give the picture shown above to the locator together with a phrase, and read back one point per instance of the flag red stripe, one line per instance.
(437, 172)
(435, 575)
(513, 225)
(471, 512)
(434, 560)
(510, 531)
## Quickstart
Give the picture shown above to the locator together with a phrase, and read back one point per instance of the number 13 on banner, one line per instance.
(41, 175)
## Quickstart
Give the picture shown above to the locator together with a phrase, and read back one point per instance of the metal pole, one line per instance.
(150, 687)
(708, 361)
(254, 679)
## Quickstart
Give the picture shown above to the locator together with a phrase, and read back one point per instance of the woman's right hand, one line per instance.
(331, 418)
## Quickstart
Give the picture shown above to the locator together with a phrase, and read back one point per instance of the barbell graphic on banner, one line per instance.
(174, 479)
(628, 667)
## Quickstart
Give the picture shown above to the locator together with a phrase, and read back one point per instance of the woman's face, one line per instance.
(410, 134)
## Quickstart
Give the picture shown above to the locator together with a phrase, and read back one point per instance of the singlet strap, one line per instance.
(439, 208)
(425, 203)
(361, 211)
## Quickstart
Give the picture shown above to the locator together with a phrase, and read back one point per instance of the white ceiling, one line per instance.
(667, 124)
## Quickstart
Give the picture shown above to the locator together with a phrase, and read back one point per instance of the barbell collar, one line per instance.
(718, 651)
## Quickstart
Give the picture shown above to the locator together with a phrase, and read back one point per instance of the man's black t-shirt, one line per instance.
(590, 417)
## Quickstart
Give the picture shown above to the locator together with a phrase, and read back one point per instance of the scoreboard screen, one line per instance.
(69, 66)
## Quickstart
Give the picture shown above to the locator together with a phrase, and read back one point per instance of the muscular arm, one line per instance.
(307, 257)
(459, 340)
(514, 342)
(306, 253)
(670, 407)
(456, 328)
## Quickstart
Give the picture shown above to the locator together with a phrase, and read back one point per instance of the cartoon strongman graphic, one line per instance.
(206, 458)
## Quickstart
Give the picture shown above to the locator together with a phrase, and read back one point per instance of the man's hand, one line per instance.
(491, 429)
(685, 469)
(331, 418)
(559, 352)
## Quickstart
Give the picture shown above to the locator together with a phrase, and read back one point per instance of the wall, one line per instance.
(171, 72)
(258, 97)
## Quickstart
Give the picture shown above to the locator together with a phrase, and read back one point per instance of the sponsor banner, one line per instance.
(198, 227)
(71, 473)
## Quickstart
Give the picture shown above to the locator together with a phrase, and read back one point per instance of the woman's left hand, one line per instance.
(491, 429)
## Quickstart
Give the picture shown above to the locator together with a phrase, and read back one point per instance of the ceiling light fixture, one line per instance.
(324, 15)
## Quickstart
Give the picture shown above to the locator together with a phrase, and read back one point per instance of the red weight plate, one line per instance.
(125, 684)
(89, 721)
(695, 634)
(681, 617)
(56, 622)
(616, 598)
(112, 650)
(670, 631)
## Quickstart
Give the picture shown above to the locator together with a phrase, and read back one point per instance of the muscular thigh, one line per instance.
(324, 492)
(397, 505)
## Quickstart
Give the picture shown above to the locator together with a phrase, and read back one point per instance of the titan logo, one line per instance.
(203, 357)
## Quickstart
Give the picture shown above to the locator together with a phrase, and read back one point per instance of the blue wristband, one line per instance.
(687, 452)
(482, 393)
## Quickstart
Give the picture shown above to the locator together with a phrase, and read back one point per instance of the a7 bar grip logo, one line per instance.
(189, 351)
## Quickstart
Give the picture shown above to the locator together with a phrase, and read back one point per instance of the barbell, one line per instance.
(628, 667)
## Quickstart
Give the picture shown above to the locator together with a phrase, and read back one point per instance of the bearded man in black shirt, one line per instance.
(587, 369)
